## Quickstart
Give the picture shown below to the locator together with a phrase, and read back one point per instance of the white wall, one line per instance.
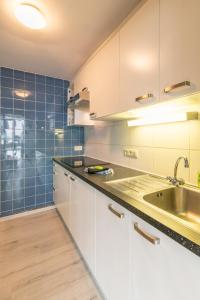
(158, 146)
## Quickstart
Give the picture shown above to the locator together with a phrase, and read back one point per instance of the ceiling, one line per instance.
(75, 29)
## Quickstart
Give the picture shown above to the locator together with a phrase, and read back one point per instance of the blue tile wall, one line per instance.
(32, 130)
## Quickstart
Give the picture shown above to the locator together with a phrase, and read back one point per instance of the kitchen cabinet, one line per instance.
(118, 246)
(164, 271)
(112, 248)
(153, 58)
(179, 47)
(82, 218)
(75, 201)
(104, 88)
(101, 76)
(139, 58)
(61, 192)
(82, 79)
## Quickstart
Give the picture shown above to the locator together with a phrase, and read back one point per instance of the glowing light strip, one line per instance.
(159, 119)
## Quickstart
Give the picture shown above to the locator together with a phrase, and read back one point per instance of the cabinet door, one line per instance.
(179, 46)
(82, 219)
(165, 271)
(82, 78)
(112, 248)
(139, 58)
(61, 193)
(55, 184)
(65, 190)
(104, 88)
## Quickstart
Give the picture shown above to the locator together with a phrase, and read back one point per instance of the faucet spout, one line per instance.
(174, 180)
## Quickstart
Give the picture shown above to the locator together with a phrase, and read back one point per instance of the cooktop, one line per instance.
(82, 161)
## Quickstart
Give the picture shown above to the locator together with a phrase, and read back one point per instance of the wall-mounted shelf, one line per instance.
(78, 109)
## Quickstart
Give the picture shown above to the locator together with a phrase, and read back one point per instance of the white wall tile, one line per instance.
(141, 136)
(119, 134)
(195, 135)
(175, 135)
(158, 146)
(97, 134)
(164, 161)
(145, 160)
(194, 166)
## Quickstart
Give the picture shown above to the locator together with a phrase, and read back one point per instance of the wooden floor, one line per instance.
(38, 260)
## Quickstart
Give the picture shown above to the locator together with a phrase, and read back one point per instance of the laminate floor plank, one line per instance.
(39, 261)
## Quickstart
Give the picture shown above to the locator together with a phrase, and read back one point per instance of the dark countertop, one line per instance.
(177, 230)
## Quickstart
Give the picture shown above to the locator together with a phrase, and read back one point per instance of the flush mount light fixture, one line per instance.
(159, 119)
(30, 16)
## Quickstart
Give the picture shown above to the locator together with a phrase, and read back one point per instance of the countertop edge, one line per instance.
(183, 241)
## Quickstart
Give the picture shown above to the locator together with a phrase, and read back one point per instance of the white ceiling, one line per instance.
(75, 29)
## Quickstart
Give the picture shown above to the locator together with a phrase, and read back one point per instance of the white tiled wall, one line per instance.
(158, 146)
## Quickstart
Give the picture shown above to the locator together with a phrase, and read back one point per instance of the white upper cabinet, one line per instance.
(82, 79)
(139, 58)
(101, 76)
(154, 57)
(179, 47)
(104, 89)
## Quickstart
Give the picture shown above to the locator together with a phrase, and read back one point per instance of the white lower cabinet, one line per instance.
(62, 192)
(126, 265)
(75, 201)
(166, 271)
(82, 218)
(112, 248)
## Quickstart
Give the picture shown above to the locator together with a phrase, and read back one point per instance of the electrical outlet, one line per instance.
(133, 153)
(78, 148)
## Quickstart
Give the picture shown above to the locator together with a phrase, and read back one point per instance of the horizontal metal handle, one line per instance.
(93, 115)
(115, 212)
(176, 86)
(66, 174)
(144, 97)
(152, 239)
(72, 178)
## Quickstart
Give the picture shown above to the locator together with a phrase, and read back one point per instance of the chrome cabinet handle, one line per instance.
(176, 86)
(72, 178)
(93, 115)
(54, 173)
(144, 97)
(115, 212)
(54, 189)
(66, 174)
(151, 238)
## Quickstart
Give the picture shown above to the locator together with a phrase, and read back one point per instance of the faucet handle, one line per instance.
(172, 180)
(169, 178)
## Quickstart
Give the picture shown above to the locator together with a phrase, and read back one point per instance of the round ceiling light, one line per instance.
(30, 16)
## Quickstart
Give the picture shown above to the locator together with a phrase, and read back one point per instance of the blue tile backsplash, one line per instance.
(33, 129)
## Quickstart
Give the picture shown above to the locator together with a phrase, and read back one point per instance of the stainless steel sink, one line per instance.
(179, 201)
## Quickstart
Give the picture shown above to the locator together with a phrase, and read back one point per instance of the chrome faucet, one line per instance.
(174, 180)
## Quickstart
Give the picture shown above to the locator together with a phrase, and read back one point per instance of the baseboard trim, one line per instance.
(27, 213)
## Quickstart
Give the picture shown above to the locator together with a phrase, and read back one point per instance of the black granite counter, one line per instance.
(187, 237)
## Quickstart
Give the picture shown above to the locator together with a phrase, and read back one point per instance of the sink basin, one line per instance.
(181, 202)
